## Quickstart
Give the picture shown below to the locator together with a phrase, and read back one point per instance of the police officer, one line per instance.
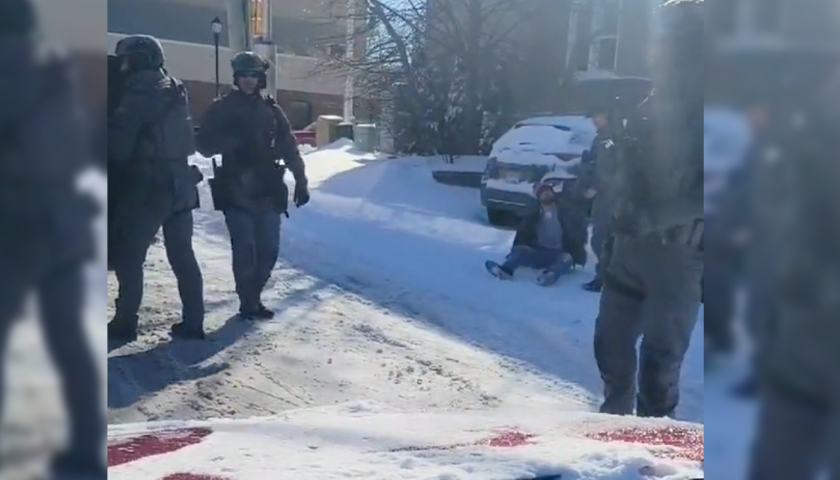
(150, 137)
(796, 218)
(598, 185)
(47, 236)
(251, 132)
(652, 283)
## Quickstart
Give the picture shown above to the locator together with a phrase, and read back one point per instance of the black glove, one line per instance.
(301, 197)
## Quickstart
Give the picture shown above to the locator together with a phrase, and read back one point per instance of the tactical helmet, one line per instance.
(142, 51)
(248, 62)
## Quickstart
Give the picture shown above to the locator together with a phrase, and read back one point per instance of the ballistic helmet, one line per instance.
(142, 51)
(248, 62)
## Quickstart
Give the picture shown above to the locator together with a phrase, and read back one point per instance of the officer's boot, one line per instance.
(264, 313)
(595, 285)
(184, 331)
(122, 329)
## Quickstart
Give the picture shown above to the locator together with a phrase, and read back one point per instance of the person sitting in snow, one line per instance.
(551, 238)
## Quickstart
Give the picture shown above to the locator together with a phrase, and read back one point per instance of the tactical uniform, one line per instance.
(796, 216)
(150, 137)
(652, 283)
(598, 173)
(47, 236)
(251, 132)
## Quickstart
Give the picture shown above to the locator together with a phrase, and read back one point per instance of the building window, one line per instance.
(300, 114)
(582, 58)
(606, 48)
(337, 50)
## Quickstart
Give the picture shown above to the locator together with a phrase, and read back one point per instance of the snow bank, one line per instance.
(372, 441)
(306, 148)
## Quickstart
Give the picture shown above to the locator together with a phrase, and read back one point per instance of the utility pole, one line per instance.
(349, 81)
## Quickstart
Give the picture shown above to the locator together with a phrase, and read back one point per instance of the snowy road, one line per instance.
(325, 346)
(380, 294)
(338, 335)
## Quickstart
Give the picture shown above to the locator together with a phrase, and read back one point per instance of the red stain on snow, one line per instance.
(687, 443)
(160, 443)
(193, 476)
(152, 444)
(508, 438)
(505, 439)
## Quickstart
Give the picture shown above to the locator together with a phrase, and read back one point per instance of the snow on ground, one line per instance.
(371, 441)
(385, 230)
(381, 295)
(729, 424)
(331, 342)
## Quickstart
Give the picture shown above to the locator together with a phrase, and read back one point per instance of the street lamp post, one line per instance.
(216, 25)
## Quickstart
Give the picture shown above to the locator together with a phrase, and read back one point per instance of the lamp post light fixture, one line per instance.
(216, 25)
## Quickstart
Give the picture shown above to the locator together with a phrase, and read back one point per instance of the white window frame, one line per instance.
(594, 46)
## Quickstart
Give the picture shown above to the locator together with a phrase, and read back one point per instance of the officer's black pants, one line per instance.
(61, 304)
(255, 242)
(177, 239)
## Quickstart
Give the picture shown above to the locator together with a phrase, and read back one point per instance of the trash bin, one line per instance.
(344, 130)
(366, 137)
(325, 129)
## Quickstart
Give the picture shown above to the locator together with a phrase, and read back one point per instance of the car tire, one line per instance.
(495, 216)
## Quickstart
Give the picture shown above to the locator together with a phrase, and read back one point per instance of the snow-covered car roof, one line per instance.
(544, 139)
(578, 123)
